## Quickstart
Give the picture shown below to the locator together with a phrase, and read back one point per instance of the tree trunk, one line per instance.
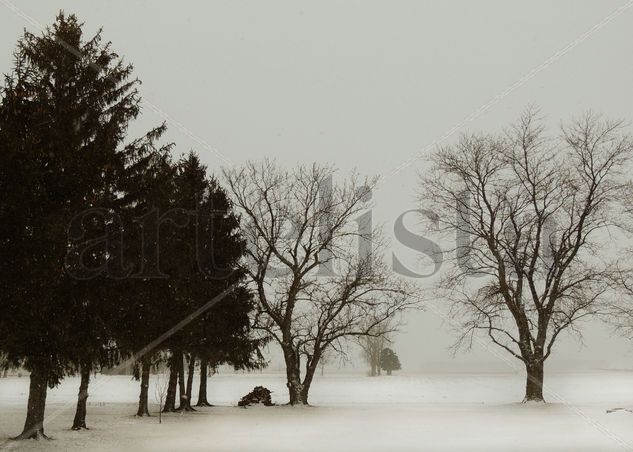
(170, 399)
(34, 425)
(309, 376)
(185, 402)
(374, 359)
(293, 376)
(202, 391)
(181, 379)
(4, 374)
(388, 371)
(534, 382)
(143, 408)
(80, 414)
(182, 386)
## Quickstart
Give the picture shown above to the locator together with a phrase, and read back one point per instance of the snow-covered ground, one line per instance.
(436, 412)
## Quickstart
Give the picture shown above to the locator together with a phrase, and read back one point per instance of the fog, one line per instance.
(367, 85)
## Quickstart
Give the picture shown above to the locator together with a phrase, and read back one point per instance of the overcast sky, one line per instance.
(367, 85)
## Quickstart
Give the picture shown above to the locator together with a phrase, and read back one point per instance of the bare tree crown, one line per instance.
(532, 208)
(314, 289)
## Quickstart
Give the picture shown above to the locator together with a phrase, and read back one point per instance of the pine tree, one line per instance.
(227, 338)
(389, 361)
(144, 309)
(64, 113)
(205, 261)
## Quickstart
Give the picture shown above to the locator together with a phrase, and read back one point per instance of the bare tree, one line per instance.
(4, 365)
(619, 309)
(160, 393)
(531, 259)
(372, 347)
(313, 290)
(324, 361)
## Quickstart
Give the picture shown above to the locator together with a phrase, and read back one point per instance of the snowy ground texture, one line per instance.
(434, 412)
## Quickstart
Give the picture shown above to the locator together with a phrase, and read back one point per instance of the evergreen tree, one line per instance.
(227, 338)
(144, 309)
(389, 361)
(206, 261)
(64, 113)
(85, 219)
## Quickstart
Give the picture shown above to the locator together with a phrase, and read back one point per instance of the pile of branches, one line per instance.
(259, 395)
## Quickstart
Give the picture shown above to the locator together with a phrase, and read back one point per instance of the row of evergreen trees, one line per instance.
(107, 243)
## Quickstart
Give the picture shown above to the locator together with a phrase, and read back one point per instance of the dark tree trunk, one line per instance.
(375, 360)
(534, 382)
(388, 371)
(376, 357)
(143, 408)
(182, 386)
(309, 376)
(293, 376)
(4, 374)
(34, 425)
(181, 379)
(80, 414)
(202, 391)
(170, 399)
(185, 404)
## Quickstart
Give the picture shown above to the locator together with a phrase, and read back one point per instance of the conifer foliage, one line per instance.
(63, 120)
(389, 361)
(86, 220)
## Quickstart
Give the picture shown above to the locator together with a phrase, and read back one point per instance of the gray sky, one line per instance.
(364, 84)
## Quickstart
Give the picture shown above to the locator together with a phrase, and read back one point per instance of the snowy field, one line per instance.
(435, 412)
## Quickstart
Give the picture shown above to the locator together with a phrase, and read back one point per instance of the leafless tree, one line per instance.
(619, 309)
(160, 393)
(4, 365)
(372, 346)
(314, 290)
(535, 212)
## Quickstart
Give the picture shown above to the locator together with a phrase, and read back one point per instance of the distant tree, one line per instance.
(533, 213)
(4, 366)
(327, 359)
(618, 311)
(389, 361)
(372, 346)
